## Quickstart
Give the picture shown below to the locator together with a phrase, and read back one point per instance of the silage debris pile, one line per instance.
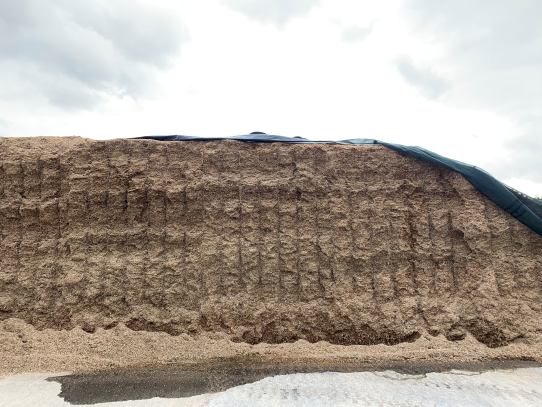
(260, 242)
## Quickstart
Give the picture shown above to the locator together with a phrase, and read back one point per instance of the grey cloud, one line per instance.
(495, 50)
(74, 52)
(523, 158)
(428, 83)
(3, 127)
(277, 12)
(495, 45)
(356, 33)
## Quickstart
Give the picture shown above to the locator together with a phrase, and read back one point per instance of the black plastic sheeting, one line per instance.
(524, 208)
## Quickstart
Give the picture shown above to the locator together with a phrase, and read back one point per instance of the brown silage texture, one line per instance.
(262, 242)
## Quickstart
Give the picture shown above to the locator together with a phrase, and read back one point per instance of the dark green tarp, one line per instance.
(526, 209)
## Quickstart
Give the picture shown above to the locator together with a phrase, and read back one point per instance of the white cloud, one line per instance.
(277, 12)
(355, 33)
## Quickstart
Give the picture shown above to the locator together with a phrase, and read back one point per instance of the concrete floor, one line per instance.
(507, 387)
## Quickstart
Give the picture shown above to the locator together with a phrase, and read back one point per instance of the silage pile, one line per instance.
(259, 243)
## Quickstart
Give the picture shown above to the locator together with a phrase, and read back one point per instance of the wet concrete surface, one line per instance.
(178, 381)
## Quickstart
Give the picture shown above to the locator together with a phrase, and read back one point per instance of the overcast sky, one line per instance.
(459, 77)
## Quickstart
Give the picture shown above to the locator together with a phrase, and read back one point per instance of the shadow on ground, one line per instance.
(176, 381)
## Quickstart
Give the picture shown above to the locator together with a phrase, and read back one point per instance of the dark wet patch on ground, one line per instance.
(185, 380)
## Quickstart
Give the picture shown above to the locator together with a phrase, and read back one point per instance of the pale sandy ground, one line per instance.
(515, 387)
